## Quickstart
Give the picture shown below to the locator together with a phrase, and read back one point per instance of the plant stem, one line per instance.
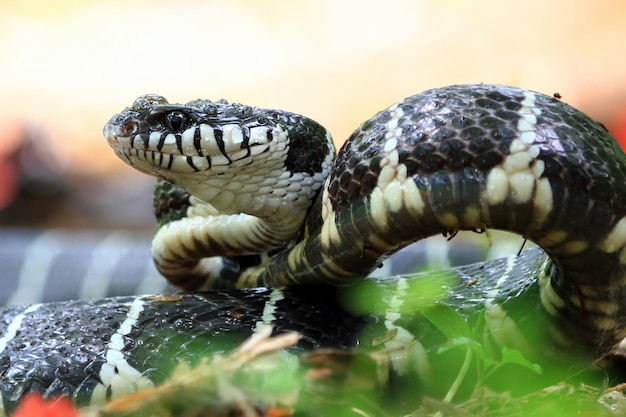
(458, 380)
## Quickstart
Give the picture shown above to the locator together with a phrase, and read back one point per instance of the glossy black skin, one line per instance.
(61, 347)
(467, 131)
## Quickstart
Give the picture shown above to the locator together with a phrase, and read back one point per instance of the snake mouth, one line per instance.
(160, 163)
(201, 135)
(197, 148)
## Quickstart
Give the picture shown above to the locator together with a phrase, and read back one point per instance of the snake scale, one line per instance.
(251, 197)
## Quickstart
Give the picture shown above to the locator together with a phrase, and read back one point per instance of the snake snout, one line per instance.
(121, 125)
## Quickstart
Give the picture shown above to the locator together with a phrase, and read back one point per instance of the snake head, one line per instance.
(218, 148)
(165, 140)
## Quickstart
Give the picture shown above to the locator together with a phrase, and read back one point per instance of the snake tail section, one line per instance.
(474, 157)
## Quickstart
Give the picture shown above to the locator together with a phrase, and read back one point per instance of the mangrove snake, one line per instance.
(251, 197)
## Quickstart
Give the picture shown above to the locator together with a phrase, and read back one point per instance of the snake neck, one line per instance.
(194, 236)
(192, 251)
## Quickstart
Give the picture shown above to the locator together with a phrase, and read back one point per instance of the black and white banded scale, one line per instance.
(42, 265)
(258, 200)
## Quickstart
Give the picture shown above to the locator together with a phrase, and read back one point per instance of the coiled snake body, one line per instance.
(259, 201)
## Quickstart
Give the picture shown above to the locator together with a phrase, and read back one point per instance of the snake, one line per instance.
(258, 221)
(45, 265)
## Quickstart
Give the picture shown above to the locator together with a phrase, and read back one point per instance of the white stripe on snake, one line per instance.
(116, 374)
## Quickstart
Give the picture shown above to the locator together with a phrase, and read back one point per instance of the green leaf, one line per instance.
(428, 290)
(516, 357)
(447, 320)
(467, 343)
(366, 298)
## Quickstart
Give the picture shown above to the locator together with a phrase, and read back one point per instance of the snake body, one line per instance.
(40, 265)
(97, 350)
(466, 157)
(251, 197)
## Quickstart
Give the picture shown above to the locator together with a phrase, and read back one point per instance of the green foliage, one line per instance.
(455, 328)
(469, 373)
(451, 368)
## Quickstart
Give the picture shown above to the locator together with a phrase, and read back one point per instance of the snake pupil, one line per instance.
(176, 121)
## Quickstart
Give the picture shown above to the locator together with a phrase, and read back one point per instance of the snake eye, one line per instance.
(176, 121)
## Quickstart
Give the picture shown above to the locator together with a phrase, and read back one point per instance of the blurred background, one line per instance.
(68, 66)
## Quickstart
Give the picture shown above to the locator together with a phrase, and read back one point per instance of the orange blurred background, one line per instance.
(68, 66)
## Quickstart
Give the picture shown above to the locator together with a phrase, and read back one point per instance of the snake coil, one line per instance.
(251, 197)
(465, 157)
